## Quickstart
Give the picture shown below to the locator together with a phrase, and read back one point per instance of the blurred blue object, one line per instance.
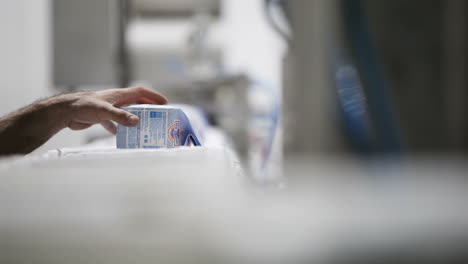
(353, 106)
(384, 136)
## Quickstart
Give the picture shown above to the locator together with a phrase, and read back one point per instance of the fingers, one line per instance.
(143, 100)
(118, 115)
(139, 94)
(102, 107)
(109, 126)
(78, 125)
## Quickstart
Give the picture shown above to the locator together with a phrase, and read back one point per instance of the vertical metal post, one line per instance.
(310, 123)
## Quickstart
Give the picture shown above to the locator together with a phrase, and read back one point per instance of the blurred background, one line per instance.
(336, 131)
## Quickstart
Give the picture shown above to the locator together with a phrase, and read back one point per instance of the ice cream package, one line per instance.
(160, 126)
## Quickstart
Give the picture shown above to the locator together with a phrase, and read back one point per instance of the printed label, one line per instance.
(175, 133)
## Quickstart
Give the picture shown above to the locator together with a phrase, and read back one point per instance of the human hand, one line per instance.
(24, 130)
(84, 109)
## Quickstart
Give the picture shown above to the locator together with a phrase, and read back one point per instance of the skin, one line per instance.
(26, 129)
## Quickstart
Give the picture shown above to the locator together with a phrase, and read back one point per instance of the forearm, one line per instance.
(28, 128)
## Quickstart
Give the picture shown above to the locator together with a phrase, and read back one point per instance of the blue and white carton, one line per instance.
(160, 126)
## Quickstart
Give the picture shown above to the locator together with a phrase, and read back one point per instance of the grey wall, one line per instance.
(86, 42)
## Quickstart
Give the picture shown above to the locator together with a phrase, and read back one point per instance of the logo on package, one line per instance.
(175, 133)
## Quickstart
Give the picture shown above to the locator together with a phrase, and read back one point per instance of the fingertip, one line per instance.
(133, 120)
(164, 100)
(152, 95)
(140, 94)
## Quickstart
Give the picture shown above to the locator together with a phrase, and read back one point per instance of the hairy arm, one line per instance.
(28, 128)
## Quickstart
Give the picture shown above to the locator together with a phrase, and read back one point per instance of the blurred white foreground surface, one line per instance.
(194, 205)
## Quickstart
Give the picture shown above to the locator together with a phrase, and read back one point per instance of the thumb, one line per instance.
(118, 115)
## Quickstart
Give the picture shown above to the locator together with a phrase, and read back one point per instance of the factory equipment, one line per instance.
(162, 8)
